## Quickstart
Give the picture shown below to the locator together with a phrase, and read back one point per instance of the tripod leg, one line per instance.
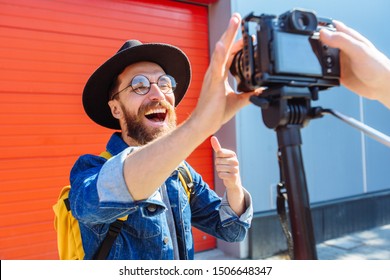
(289, 141)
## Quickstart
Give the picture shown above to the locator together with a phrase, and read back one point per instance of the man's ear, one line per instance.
(116, 109)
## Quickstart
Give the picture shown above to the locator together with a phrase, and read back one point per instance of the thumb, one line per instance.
(215, 144)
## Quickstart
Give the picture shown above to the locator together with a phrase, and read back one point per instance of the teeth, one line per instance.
(156, 111)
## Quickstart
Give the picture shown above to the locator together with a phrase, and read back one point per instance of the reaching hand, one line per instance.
(364, 69)
(218, 102)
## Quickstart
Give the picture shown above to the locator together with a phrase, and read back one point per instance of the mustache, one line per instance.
(156, 104)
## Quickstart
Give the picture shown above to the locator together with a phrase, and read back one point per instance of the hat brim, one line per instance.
(96, 91)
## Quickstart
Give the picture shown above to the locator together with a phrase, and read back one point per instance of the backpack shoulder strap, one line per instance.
(112, 234)
(113, 231)
(186, 179)
(106, 154)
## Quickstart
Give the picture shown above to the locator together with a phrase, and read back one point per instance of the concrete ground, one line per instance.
(371, 244)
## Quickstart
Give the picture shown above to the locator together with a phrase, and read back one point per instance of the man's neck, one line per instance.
(129, 141)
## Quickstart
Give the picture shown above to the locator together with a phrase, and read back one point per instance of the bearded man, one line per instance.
(136, 91)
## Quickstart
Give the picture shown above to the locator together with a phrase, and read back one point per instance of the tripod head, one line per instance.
(283, 105)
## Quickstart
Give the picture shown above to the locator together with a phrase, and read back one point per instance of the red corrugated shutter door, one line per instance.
(47, 52)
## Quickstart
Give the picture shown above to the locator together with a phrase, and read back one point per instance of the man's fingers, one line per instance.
(225, 43)
(340, 26)
(345, 42)
(229, 36)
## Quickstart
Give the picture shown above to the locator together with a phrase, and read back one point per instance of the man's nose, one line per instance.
(155, 93)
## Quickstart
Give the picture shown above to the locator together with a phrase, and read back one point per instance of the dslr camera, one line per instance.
(285, 51)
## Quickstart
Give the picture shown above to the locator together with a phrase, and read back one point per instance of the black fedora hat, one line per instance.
(96, 91)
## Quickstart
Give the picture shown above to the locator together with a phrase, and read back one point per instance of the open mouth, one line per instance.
(156, 115)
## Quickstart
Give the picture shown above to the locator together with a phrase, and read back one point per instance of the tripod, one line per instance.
(286, 110)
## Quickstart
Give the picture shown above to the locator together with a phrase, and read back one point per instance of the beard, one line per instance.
(143, 134)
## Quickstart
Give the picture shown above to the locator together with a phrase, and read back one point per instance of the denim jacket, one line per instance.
(99, 196)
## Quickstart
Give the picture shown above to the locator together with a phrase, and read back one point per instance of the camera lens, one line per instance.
(237, 68)
(303, 21)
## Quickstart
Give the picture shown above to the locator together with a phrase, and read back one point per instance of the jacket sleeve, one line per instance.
(213, 215)
(99, 193)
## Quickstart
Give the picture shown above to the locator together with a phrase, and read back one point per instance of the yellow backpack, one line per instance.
(69, 242)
